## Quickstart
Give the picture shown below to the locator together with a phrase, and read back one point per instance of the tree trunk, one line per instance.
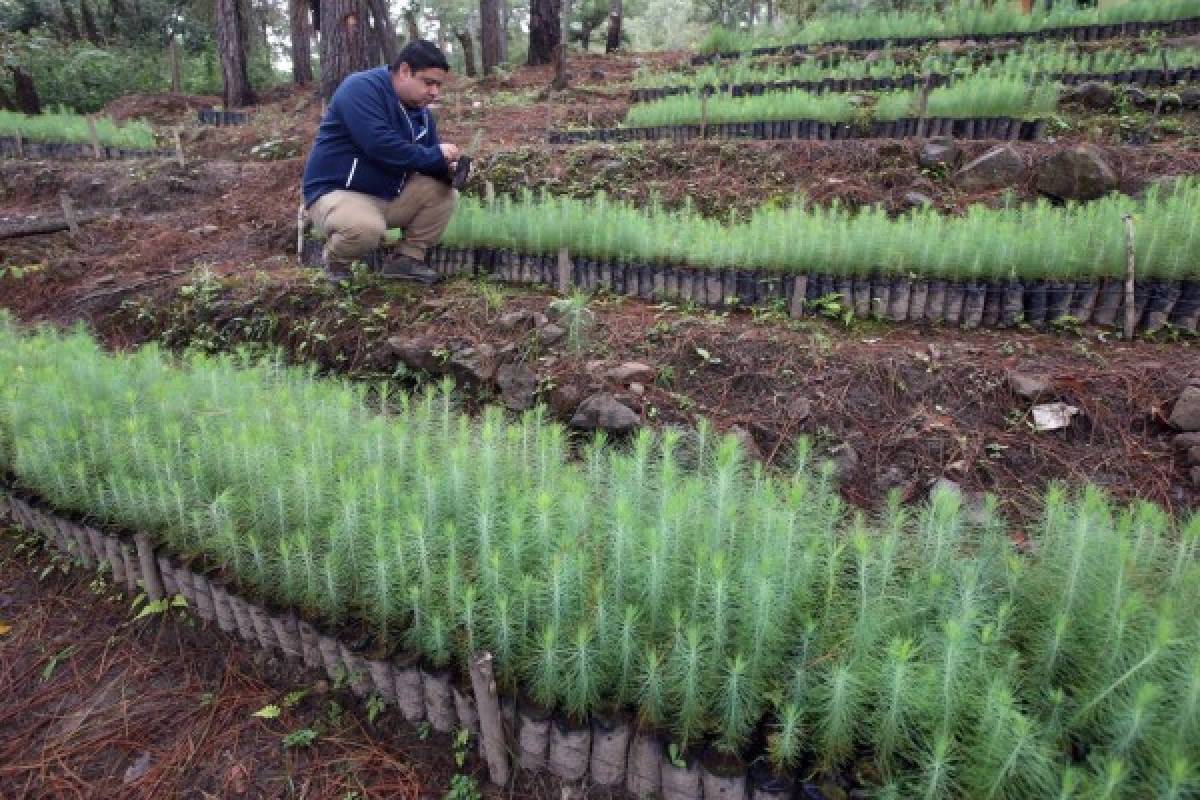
(770, 12)
(560, 61)
(301, 29)
(468, 47)
(410, 21)
(6, 102)
(385, 34)
(70, 24)
(489, 34)
(613, 43)
(232, 35)
(89, 23)
(28, 101)
(343, 42)
(545, 31)
(505, 22)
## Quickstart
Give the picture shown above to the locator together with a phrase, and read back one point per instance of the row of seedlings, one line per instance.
(12, 147)
(916, 651)
(222, 117)
(975, 129)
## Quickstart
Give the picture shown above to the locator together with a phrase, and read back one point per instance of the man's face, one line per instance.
(418, 89)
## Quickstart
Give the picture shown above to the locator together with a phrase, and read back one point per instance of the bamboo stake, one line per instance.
(68, 207)
(491, 725)
(703, 114)
(179, 149)
(151, 581)
(300, 231)
(489, 193)
(564, 270)
(95, 137)
(20, 146)
(1130, 274)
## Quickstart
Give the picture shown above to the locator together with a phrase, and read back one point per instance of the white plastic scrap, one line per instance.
(1053, 416)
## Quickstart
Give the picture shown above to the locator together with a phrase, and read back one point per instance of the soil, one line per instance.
(95, 704)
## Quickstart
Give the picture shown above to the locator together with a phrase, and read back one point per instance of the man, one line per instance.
(377, 164)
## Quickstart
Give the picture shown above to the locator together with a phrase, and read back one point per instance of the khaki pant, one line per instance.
(354, 222)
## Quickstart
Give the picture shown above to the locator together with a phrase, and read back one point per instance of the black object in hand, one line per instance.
(462, 171)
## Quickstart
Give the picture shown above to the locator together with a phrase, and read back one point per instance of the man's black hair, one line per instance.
(421, 54)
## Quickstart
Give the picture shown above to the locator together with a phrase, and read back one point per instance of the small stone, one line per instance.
(1196, 477)
(1080, 173)
(1186, 414)
(521, 319)
(845, 460)
(1029, 385)
(550, 334)
(799, 409)
(1000, 166)
(518, 386)
(1193, 457)
(204, 230)
(1138, 98)
(1186, 441)
(1190, 98)
(939, 153)
(597, 74)
(746, 440)
(565, 399)
(138, 769)
(417, 353)
(602, 411)
(917, 200)
(631, 372)
(1092, 95)
(637, 388)
(473, 365)
(893, 478)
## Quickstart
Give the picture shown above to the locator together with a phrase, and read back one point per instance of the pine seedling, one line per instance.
(583, 673)
(786, 739)
(547, 669)
(840, 703)
(897, 702)
(686, 672)
(1178, 778)
(652, 692)
(937, 766)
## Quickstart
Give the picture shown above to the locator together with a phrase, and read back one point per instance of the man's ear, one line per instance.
(404, 70)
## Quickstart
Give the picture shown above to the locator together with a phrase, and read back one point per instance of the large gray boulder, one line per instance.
(1080, 173)
(602, 411)
(1186, 414)
(1001, 166)
(518, 386)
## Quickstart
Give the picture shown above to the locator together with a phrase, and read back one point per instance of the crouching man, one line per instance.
(377, 164)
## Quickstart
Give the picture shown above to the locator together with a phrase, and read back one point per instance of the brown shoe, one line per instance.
(335, 271)
(407, 268)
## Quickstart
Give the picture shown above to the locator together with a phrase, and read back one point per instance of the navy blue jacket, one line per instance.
(369, 142)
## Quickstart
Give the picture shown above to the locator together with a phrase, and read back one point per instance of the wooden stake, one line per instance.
(489, 193)
(68, 207)
(151, 581)
(564, 270)
(703, 114)
(491, 724)
(1130, 275)
(300, 231)
(179, 149)
(95, 137)
(20, 146)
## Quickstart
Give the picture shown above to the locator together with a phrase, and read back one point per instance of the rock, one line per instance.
(845, 460)
(1053, 416)
(204, 230)
(597, 74)
(631, 372)
(917, 200)
(1080, 173)
(799, 409)
(893, 478)
(1196, 477)
(1000, 166)
(565, 399)
(473, 365)
(1029, 385)
(939, 153)
(602, 411)
(1138, 98)
(1186, 441)
(138, 769)
(521, 319)
(637, 388)
(1186, 414)
(518, 386)
(746, 440)
(1092, 95)
(1190, 99)
(551, 334)
(417, 353)
(1193, 457)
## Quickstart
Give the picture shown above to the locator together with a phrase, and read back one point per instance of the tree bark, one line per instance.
(489, 35)
(28, 101)
(613, 42)
(176, 69)
(468, 47)
(385, 34)
(232, 35)
(505, 12)
(545, 31)
(90, 30)
(343, 42)
(301, 30)
(560, 60)
(6, 102)
(410, 22)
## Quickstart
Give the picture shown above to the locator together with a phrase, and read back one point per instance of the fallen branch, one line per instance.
(103, 293)
(37, 227)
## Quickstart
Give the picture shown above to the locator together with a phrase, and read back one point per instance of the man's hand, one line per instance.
(449, 152)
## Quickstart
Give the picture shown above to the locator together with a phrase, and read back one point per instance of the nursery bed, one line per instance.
(1079, 33)
(971, 304)
(1003, 128)
(69, 150)
(212, 116)
(1139, 77)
